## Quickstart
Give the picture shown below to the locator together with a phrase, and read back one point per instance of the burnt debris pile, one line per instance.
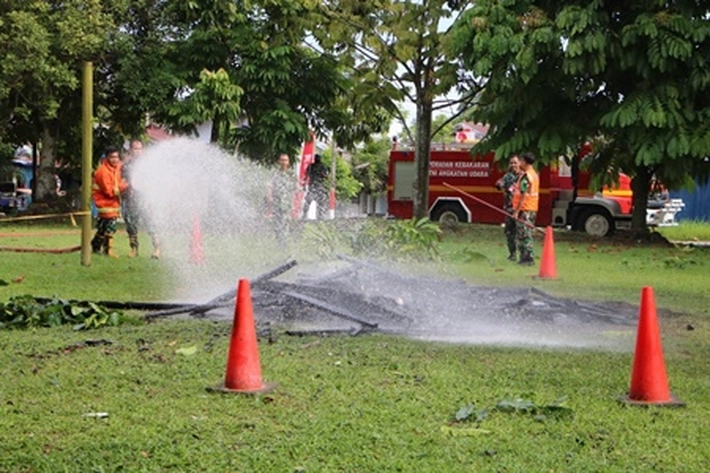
(360, 296)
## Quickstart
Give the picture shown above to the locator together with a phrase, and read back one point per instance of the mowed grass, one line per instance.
(372, 403)
(46, 274)
(688, 230)
(613, 269)
(353, 404)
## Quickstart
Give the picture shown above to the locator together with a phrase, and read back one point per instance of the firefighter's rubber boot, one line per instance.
(512, 249)
(97, 243)
(526, 261)
(156, 247)
(109, 247)
(133, 241)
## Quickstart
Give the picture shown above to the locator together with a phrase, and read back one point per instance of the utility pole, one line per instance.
(333, 160)
(87, 118)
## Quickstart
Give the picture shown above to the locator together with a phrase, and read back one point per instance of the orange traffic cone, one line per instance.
(331, 204)
(649, 384)
(243, 369)
(197, 256)
(548, 268)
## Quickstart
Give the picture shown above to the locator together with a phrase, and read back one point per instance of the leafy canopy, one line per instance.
(631, 75)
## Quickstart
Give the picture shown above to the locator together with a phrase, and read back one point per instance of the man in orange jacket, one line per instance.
(106, 191)
(525, 204)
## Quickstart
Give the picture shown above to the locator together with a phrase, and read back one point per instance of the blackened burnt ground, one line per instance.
(360, 297)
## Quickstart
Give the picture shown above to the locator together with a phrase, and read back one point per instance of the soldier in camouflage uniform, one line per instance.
(507, 185)
(282, 186)
(131, 204)
(525, 206)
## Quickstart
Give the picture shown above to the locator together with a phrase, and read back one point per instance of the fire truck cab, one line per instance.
(597, 213)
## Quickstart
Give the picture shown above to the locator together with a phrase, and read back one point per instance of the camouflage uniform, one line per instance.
(282, 186)
(524, 232)
(105, 227)
(132, 212)
(507, 182)
(130, 207)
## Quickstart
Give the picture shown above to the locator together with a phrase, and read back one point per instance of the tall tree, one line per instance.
(178, 63)
(291, 83)
(370, 164)
(631, 75)
(398, 46)
(137, 76)
(42, 46)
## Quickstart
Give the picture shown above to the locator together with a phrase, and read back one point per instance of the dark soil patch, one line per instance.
(625, 238)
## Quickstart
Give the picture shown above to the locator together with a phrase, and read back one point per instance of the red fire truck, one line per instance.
(597, 213)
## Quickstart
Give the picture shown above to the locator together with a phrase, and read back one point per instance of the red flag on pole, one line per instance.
(309, 148)
(305, 160)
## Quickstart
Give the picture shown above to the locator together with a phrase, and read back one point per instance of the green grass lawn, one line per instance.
(687, 230)
(594, 269)
(48, 274)
(352, 404)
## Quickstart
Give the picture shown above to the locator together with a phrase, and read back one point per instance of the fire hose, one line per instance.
(39, 217)
(222, 300)
(497, 209)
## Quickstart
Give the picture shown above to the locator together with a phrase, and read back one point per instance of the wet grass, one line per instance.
(371, 403)
(48, 274)
(687, 230)
(595, 269)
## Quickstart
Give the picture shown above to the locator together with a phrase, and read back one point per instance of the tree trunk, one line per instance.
(216, 133)
(46, 185)
(574, 170)
(640, 186)
(422, 154)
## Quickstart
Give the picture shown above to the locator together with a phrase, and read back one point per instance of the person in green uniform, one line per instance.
(507, 185)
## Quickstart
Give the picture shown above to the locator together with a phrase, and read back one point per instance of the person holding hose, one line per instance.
(525, 206)
(106, 190)
(507, 185)
(131, 203)
(280, 191)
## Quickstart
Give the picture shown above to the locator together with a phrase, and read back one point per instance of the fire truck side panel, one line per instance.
(476, 176)
(597, 213)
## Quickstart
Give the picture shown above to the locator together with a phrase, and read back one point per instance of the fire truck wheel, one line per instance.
(448, 214)
(597, 222)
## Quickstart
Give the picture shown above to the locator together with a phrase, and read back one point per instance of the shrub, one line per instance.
(27, 312)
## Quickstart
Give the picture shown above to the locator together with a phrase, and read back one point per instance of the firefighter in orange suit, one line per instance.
(106, 191)
(526, 197)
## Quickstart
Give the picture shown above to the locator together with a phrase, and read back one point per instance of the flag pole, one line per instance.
(333, 160)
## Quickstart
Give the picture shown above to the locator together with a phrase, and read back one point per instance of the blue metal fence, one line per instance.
(697, 203)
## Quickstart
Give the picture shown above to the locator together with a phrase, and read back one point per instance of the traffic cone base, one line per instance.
(672, 402)
(264, 389)
(649, 382)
